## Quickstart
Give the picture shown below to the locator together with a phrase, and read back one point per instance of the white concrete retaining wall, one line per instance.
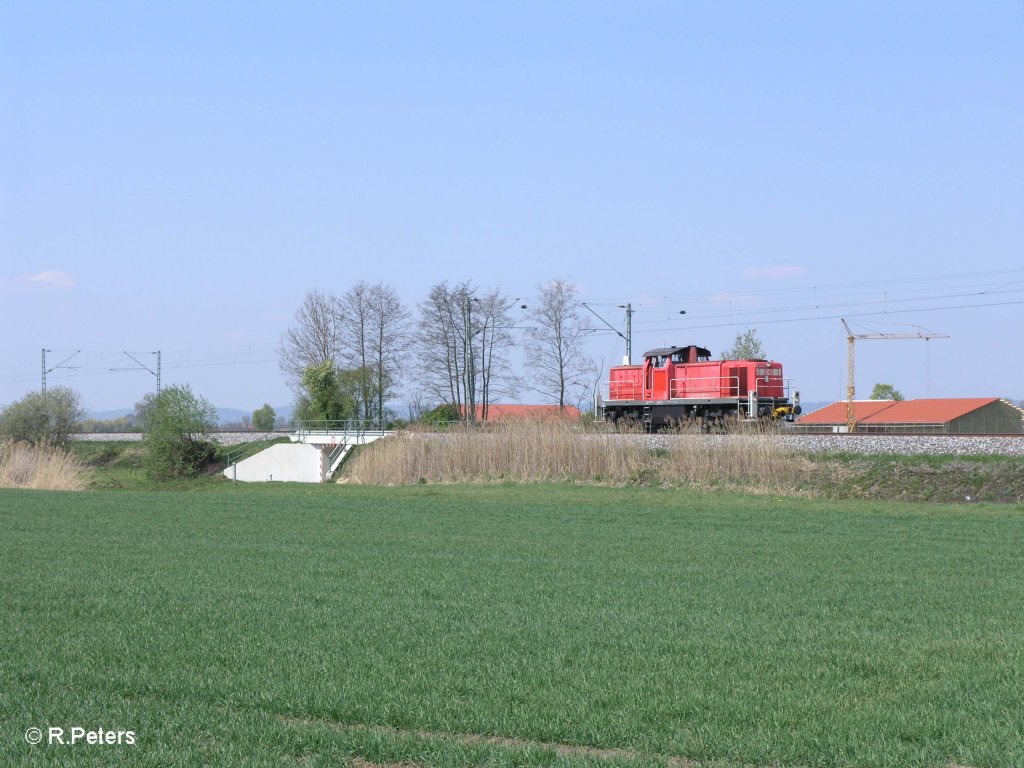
(289, 462)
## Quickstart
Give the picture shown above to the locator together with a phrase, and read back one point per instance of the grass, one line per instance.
(118, 465)
(749, 461)
(40, 467)
(746, 462)
(312, 625)
(934, 478)
(523, 451)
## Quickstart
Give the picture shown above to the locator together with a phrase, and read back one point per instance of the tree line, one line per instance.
(346, 356)
(176, 425)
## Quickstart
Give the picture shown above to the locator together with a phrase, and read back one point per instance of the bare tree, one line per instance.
(374, 336)
(315, 337)
(418, 404)
(355, 340)
(492, 329)
(463, 340)
(441, 337)
(560, 368)
(389, 338)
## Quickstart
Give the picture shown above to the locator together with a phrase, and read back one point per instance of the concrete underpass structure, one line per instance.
(313, 456)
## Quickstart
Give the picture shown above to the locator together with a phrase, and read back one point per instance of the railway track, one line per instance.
(902, 443)
(224, 438)
(873, 444)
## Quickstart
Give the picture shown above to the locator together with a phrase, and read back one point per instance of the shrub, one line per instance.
(39, 418)
(328, 394)
(177, 434)
(446, 413)
(263, 418)
(41, 467)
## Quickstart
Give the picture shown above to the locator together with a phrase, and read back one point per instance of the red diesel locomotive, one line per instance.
(679, 384)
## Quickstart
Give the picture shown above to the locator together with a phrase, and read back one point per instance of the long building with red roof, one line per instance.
(946, 416)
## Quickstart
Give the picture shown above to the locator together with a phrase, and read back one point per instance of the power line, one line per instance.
(143, 367)
(86, 372)
(837, 317)
(883, 302)
(890, 282)
(58, 365)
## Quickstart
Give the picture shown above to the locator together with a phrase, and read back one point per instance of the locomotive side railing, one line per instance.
(786, 385)
(717, 386)
(625, 390)
(725, 386)
(704, 387)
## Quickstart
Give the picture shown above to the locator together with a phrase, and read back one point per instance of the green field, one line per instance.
(315, 626)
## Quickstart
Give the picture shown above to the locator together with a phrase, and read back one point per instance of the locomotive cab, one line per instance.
(676, 355)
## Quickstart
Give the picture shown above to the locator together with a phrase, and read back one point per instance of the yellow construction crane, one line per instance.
(851, 337)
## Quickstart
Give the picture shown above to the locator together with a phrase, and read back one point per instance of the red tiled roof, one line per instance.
(505, 411)
(930, 410)
(922, 411)
(836, 413)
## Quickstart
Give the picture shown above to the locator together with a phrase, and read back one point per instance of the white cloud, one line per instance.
(51, 277)
(776, 272)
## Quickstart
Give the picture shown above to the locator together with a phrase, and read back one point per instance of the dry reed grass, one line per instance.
(560, 452)
(41, 467)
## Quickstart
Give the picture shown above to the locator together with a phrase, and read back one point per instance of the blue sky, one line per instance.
(176, 176)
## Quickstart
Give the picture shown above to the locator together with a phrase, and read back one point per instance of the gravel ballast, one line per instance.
(907, 445)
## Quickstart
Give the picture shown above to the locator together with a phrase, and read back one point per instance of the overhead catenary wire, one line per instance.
(235, 360)
(808, 318)
(826, 302)
(832, 288)
(185, 363)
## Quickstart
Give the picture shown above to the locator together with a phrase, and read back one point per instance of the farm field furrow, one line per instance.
(510, 625)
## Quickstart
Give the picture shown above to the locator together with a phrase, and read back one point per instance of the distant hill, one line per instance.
(233, 415)
(227, 415)
(117, 413)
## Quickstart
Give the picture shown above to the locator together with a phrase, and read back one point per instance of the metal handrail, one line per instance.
(631, 390)
(787, 386)
(265, 439)
(624, 386)
(733, 387)
(710, 390)
(348, 426)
